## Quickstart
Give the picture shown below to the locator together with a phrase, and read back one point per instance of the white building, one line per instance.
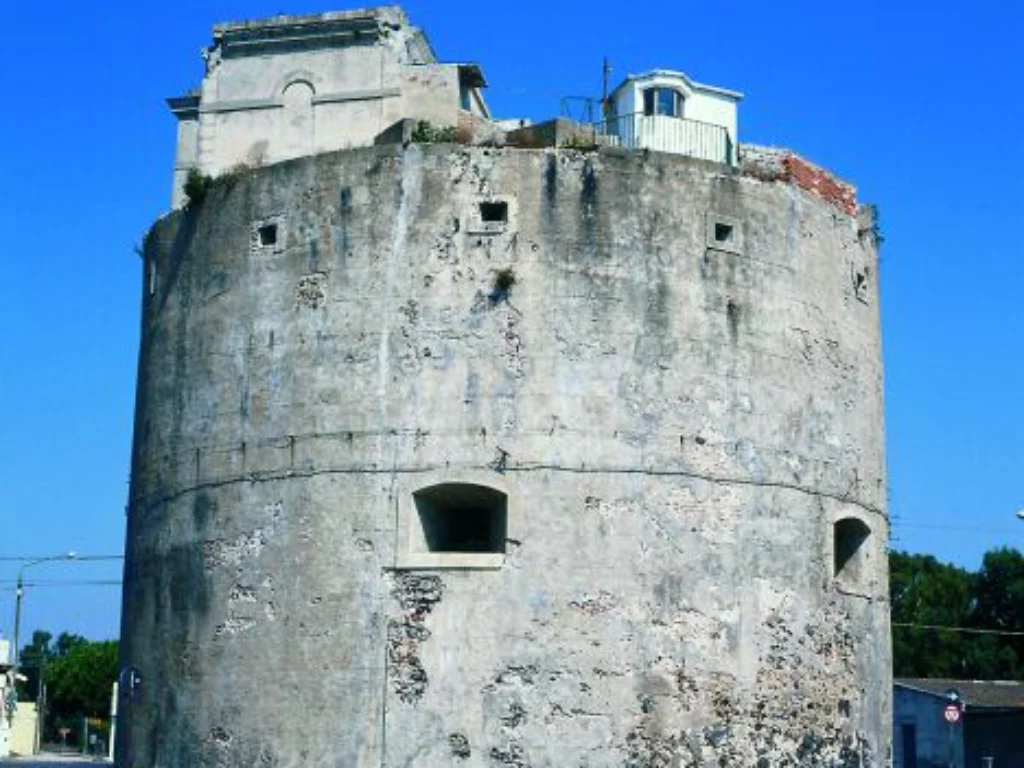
(292, 86)
(666, 111)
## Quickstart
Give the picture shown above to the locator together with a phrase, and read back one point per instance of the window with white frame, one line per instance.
(667, 102)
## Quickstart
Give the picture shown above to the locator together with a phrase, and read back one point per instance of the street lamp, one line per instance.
(17, 600)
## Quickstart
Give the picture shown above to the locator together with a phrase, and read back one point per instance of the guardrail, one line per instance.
(661, 133)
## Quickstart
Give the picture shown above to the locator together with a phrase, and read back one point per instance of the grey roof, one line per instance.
(976, 694)
(653, 73)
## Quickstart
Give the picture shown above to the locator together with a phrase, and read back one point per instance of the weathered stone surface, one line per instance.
(678, 412)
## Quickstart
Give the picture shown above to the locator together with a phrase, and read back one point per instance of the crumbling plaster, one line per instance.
(677, 427)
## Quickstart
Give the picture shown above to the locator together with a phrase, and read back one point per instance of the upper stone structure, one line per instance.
(291, 86)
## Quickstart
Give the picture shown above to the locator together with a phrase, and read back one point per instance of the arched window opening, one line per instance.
(462, 517)
(297, 124)
(849, 548)
(667, 102)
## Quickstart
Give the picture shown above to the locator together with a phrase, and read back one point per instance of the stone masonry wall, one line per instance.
(672, 370)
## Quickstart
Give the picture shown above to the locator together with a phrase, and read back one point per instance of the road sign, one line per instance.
(952, 713)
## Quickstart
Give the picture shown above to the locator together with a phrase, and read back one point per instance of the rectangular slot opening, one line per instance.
(494, 211)
(268, 234)
(848, 550)
(723, 232)
(462, 518)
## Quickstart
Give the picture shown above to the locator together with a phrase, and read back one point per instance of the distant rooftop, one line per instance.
(672, 73)
(976, 694)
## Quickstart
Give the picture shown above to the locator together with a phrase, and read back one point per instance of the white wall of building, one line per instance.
(700, 103)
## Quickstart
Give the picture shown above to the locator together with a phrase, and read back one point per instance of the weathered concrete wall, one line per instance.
(681, 394)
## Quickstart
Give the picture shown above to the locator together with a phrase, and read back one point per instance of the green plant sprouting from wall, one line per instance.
(504, 279)
(580, 143)
(428, 133)
(197, 184)
(874, 227)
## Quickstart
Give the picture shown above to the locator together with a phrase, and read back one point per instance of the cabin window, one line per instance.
(667, 102)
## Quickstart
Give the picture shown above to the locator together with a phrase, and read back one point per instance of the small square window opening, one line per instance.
(494, 211)
(268, 234)
(723, 233)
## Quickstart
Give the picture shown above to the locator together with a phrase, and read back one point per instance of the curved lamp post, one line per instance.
(17, 600)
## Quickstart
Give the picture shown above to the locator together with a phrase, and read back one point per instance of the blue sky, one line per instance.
(918, 104)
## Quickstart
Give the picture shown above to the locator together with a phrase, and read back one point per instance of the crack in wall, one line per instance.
(276, 475)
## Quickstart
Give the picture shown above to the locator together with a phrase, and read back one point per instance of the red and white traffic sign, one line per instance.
(952, 713)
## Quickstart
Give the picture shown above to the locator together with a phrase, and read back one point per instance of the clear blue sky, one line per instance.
(919, 104)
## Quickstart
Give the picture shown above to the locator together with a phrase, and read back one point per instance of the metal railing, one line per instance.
(661, 133)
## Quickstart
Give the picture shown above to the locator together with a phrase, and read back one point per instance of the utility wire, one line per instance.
(968, 630)
(943, 527)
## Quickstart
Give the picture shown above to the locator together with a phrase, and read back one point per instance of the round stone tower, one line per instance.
(452, 456)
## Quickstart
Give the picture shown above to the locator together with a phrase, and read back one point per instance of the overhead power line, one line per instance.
(968, 630)
(944, 527)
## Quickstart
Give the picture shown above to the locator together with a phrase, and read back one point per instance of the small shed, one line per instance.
(987, 731)
(665, 111)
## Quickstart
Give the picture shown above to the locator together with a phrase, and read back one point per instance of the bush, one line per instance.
(196, 186)
(427, 133)
(504, 279)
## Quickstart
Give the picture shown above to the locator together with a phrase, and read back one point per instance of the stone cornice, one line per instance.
(241, 105)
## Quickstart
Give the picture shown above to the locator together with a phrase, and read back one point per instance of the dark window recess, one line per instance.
(268, 234)
(495, 211)
(462, 517)
(849, 536)
(723, 233)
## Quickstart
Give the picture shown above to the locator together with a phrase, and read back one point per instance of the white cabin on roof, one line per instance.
(665, 111)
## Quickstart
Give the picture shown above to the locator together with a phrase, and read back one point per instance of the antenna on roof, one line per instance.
(606, 70)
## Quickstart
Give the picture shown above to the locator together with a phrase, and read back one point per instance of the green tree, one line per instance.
(925, 593)
(80, 681)
(32, 659)
(999, 604)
